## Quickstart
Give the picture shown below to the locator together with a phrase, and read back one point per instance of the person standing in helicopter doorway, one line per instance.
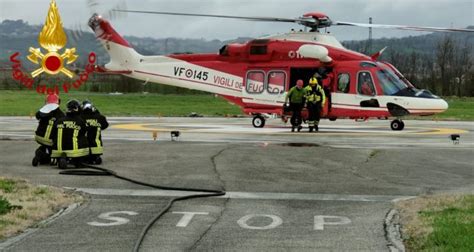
(95, 123)
(315, 100)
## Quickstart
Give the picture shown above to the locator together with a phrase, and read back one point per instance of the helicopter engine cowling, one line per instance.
(318, 52)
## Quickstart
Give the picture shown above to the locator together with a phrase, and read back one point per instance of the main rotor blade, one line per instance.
(267, 19)
(404, 27)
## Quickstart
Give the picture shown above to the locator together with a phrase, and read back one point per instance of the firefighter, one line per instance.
(296, 97)
(95, 123)
(315, 100)
(46, 116)
(70, 137)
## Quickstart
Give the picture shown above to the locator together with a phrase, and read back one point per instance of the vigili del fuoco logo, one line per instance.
(52, 60)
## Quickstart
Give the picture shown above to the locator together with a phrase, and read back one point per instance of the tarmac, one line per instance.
(326, 191)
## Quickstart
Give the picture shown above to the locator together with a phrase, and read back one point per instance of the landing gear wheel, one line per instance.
(258, 121)
(397, 125)
(35, 162)
(62, 163)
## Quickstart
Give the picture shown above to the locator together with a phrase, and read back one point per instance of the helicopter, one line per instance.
(257, 74)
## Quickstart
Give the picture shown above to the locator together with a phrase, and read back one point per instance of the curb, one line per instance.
(392, 231)
(11, 241)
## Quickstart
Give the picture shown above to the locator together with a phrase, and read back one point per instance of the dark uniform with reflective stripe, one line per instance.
(95, 123)
(70, 137)
(46, 125)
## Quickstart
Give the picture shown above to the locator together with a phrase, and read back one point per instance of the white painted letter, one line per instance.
(187, 217)
(108, 216)
(276, 221)
(319, 221)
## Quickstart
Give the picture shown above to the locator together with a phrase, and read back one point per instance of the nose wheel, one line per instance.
(397, 124)
(258, 121)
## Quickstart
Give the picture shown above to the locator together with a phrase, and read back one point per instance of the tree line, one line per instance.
(445, 67)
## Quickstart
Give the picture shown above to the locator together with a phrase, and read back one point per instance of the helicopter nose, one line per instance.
(442, 105)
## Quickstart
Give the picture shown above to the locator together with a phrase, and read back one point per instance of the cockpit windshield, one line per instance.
(390, 82)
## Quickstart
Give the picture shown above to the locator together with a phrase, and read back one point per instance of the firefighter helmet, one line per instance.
(313, 81)
(87, 105)
(73, 106)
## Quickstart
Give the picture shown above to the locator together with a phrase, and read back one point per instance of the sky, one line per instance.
(75, 13)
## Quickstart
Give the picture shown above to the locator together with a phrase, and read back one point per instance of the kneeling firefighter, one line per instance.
(95, 123)
(46, 117)
(70, 137)
(315, 100)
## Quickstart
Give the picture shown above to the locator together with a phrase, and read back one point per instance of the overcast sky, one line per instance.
(440, 13)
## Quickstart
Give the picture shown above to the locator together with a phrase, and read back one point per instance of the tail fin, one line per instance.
(122, 55)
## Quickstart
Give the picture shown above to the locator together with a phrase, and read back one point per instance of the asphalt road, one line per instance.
(322, 191)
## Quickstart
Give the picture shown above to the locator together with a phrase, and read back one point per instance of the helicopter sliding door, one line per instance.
(355, 94)
(265, 88)
(343, 96)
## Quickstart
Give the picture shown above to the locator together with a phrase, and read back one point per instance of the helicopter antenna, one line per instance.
(370, 36)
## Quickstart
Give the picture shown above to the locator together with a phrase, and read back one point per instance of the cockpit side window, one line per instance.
(390, 82)
(365, 84)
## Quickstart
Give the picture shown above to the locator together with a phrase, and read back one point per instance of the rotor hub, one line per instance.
(315, 20)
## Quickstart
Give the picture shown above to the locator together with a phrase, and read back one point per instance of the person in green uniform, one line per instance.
(296, 97)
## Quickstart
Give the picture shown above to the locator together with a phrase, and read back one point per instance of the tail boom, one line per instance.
(122, 55)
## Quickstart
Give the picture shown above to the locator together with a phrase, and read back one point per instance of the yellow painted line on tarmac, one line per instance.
(442, 131)
(426, 131)
(137, 126)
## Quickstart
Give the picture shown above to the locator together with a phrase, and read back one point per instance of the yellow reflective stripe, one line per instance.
(97, 150)
(60, 139)
(48, 129)
(43, 141)
(75, 146)
(97, 139)
(71, 153)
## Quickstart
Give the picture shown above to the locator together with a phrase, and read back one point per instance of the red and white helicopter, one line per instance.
(257, 74)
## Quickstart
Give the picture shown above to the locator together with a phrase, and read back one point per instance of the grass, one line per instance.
(460, 108)
(26, 204)
(439, 223)
(7, 185)
(5, 206)
(26, 103)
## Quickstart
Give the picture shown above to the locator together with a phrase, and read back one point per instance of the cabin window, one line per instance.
(343, 82)
(365, 84)
(258, 50)
(255, 82)
(276, 82)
